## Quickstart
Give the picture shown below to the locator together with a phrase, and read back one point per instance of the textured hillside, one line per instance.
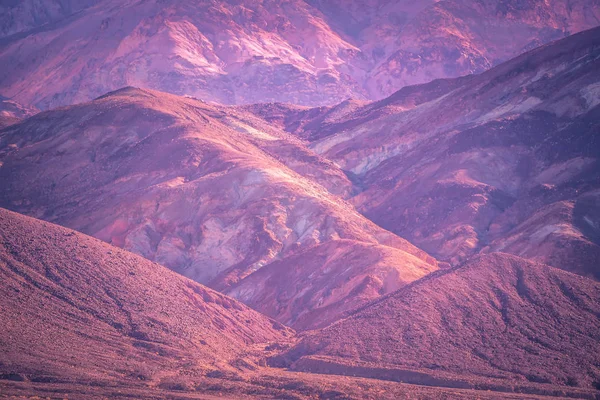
(208, 191)
(75, 309)
(312, 52)
(498, 321)
(502, 161)
(12, 112)
(85, 320)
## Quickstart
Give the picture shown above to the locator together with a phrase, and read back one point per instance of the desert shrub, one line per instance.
(174, 383)
(12, 377)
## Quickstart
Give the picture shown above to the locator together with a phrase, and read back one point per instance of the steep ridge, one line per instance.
(312, 288)
(75, 309)
(500, 322)
(311, 52)
(208, 191)
(502, 161)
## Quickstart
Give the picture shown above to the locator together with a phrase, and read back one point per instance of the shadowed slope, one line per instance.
(410, 42)
(78, 310)
(20, 17)
(499, 320)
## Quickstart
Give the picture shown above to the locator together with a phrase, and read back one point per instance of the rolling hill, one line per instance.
(211, 192)
(498, 322)
(77, 310)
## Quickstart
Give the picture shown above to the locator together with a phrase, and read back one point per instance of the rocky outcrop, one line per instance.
(12, 112)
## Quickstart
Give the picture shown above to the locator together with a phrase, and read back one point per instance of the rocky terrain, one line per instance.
(309, 52)
(83, 319)
(502, 161)
(12, 112)
(75, 309)
(223, 51)
(498, 322)
(415, 42)
(210, 192)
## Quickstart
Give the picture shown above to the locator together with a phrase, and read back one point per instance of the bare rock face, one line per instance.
(211, 192)
(12, 112)
(502, 161)
(75, 309)
(62, 52)
(499, 322)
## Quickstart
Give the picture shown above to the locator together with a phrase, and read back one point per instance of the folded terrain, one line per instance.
(314, 287)
(295, 214)
(313, 52)
(497, 322)
(502, 161)
(211, 192)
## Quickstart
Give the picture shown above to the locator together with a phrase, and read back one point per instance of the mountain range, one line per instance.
(300, 199)
(502, 161)
(213, 193)
(238, 52)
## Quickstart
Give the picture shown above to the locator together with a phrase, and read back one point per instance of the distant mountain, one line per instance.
(409, 43)
(76, 310)
(23, 16)
(502, 161)
(313, 52)
(500, 322)
(229, 52)
(211, 192)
